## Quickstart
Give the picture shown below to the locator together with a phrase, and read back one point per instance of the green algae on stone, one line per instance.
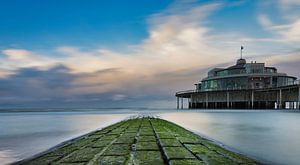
(126, 140)
(147, 146)
(148, 158)
(234, 156)
(109, 137)
(186, 162)
(170, 143)
(63, 150)
(118, 149)
(42, 160)
(83, 142)
(82, 155)
(146, 139)
(209, 156)
(111, 160)
(165, 135)
(100, 143)
(178, 153)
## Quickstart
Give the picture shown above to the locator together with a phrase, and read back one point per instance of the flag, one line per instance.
(242, 47)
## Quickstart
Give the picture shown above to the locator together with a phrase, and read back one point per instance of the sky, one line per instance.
(137, 53)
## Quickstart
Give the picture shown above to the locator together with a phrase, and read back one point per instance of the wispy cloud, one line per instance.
(179, 50)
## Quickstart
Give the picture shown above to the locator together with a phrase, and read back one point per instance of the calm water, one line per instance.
(271, 136)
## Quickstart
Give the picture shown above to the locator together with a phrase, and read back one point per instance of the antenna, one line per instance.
(242, 51)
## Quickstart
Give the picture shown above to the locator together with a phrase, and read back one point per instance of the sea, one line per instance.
(270, 136)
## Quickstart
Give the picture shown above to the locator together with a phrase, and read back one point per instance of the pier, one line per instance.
(146, 140)
(243, 86)
(284, 97)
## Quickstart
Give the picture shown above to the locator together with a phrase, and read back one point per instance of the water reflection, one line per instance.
(269, 136)
(25, 134)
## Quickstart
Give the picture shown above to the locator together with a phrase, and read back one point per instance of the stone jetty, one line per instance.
(137, 141)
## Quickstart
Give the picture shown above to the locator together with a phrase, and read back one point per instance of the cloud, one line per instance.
(288, 26)
(288, 32)
(22, 58)
(17, 54)
(287, 4)
(118, 97)
(177, 53)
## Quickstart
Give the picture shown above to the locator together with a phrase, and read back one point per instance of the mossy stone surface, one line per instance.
(118, 149)
(125, 140)
(178, 153)
(100, 143)
(147, 146)
(209, 156)
(42, 160)
(111, 160)
(146, 139)
(186, 162)
(170, 143)
(82, 155)
(148, 158)
(165, 135)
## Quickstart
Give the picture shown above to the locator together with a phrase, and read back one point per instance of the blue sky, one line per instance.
(40, 24)
(64, 53)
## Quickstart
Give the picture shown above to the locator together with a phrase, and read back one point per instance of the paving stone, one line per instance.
(148, 158)
(77, 163)
(132, 129)
(82, 155)
(234, 156)
(126, 140)
(146, 133)
(170, 143)
(178, 153)
(109, 137)
(111, 160)
(190, 140)
(100, 143)
(42, 160)
(207, 155)
(83, 142)
(146, 139)
(165, 136)
(147, 146)
(186, 162)
(126, 134)
(63, 150)
(117, 149)
(95, 136)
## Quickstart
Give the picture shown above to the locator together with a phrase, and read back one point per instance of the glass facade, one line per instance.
(255, 75)
(284, 81)
(224, 84)
(227, 72)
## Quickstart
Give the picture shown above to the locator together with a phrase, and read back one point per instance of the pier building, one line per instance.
(243, 86)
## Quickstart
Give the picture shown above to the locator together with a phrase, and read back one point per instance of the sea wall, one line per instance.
(140, 141)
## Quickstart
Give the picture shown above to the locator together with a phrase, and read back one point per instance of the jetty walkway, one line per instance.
(147, 141)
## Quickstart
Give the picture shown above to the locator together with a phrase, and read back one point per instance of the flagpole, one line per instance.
(241, 52)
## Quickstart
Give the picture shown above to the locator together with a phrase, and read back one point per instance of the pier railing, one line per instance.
(187, 93)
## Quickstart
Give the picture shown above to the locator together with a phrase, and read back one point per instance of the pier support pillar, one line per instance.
(252, 98)
(182, 103)
(280, 99)
(206, 100)
(227, 100)
(299, 98)
(177, 102)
